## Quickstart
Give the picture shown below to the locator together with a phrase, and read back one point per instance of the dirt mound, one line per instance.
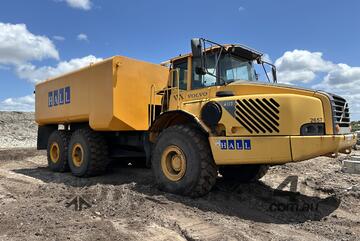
(17, 129)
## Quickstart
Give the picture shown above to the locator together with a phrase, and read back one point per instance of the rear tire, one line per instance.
(182, 162)
(88, 153)
(57, 151)
(243, 173)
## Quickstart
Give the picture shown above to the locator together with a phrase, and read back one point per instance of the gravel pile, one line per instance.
(17, 129)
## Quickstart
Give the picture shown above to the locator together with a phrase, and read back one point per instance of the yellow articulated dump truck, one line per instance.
(190, 118)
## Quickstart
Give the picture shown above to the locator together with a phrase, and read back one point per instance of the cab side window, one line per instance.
(182, 67)
(201, 81)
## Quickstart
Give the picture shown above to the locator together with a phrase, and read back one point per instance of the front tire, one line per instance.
(182, 162)
(57, 151)
(88, 154)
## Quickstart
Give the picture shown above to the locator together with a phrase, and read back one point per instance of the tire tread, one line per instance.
(208, 169)
(64, 137)
(99, 160)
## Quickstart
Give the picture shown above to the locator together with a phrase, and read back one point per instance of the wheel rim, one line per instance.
(54, 152)
(77, 155)
(173, 163)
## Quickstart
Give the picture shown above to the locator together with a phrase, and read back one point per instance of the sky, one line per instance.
(314, 44)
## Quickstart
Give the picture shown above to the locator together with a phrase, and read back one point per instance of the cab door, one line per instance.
(178, 83)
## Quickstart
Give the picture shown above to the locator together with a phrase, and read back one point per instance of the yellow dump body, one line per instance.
(112, 95)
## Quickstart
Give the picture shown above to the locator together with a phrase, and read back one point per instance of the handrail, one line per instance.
(166, 92)
(151, 115)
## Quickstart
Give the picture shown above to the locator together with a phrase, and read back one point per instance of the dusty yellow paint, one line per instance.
(305, 147)
(111, 95)
(280, 150)
(297, 107)
(262, 151)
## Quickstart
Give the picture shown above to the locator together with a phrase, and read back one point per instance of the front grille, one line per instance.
(258, 115)
(341, 113)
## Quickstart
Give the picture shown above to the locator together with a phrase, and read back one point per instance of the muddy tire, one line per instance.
(243, 173)
(182, 162)
(57, 151)
(88, 153)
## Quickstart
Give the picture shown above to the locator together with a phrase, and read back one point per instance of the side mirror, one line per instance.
(200, 71)
(273, 70)
(197, 47)
(198, 53)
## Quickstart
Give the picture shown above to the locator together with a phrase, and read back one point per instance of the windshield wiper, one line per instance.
(267, 76)
(228, 82)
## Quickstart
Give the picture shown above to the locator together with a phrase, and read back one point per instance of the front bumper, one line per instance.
(277, 149)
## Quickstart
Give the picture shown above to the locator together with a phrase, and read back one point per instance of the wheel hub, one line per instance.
(54, 152)
(176, 163)
(173, 163)
(77, 155)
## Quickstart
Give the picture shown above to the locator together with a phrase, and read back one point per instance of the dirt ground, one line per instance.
(124, 204)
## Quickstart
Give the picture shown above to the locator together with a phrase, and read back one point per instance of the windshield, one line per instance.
(233, 68)
(230, 68)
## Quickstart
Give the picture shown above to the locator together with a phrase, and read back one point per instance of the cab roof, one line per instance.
(238, 49)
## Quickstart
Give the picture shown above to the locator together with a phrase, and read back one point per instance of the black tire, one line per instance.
(94, 153)
(243, 173)
(57, 151)
(200, 172)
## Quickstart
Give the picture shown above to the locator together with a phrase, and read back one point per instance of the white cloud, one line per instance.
(18, 45)
(82, 37)
(301, 66)
(79, 4)
(19, 48)
(289, 77)
(343, 74)
(58, 38)
(35, 74)
(24, 103)
(241, 8)
(344, 80)
(304, 67)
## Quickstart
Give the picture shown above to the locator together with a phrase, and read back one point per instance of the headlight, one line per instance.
(313, 129)
(211, 113)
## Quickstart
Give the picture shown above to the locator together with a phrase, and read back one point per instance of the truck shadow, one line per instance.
(254, 201)
(261, 203)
